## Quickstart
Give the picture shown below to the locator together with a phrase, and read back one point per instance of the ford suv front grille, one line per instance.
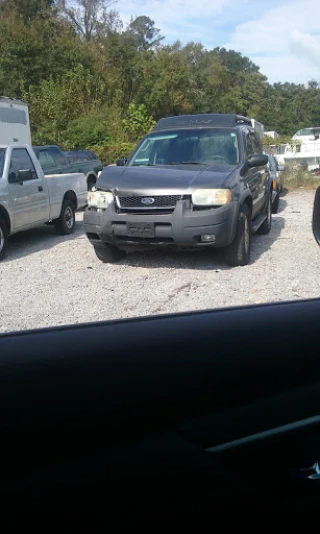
(163, 202)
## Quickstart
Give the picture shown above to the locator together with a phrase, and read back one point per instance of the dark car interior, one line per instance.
(181, 421)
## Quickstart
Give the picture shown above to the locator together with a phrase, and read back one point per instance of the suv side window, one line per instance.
(59, 156)
(21, 161)
(45, 160)
(256, 143)
(249, 146)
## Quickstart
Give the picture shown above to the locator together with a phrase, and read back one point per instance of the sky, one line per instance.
(281, 36)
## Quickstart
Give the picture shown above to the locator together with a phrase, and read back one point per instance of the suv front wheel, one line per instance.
(238, 252)
(109, 253)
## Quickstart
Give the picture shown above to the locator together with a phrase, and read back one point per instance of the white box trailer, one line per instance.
(259, 128)
(14, 122)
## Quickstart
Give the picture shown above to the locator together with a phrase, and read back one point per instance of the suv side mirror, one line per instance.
(257, 160)
(316, 216)
(121, 162)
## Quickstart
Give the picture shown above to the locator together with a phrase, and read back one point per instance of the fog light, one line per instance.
(208, 237)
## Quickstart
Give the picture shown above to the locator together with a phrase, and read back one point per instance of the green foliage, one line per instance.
(144, 33)
(89, 83)
(86, 130)
(137, 122)
(111, 151)
(295, 177)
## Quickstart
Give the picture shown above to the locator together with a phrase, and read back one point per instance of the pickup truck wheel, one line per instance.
(275, 204)
(109, 253)
(3, 239)
(238, 252)
(265, 228)
(66, 222)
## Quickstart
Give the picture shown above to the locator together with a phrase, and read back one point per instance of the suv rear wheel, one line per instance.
(275, 204)
(265, 228)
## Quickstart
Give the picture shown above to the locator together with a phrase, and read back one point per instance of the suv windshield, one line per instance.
(194, 146)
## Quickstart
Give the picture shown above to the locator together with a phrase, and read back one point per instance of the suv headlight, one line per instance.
(99, 199)
(211, 197)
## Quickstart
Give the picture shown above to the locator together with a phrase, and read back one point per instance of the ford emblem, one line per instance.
(147, 201)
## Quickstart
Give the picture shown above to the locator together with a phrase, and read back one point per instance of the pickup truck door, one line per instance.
(255, 176)
(28, 196)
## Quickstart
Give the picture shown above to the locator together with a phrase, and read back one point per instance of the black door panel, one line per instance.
(114, 412)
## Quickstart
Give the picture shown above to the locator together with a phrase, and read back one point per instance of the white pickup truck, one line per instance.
(29, 199)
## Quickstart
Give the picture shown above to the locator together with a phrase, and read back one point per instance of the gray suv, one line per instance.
(194, 181)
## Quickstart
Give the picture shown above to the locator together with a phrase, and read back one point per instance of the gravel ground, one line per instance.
(49, 280)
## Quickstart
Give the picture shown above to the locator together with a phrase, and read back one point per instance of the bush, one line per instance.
(137, 122)
(294, 177)
(84, 131)
(111, 151)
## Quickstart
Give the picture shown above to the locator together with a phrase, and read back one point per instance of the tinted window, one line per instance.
(21, 161)
(45, 159)
(257, 148)
(249, 146)
(58, 156)
(79, 159)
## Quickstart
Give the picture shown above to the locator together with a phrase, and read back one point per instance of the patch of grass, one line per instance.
(296, 178)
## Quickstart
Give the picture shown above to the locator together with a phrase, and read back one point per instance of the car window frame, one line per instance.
(57, 154)
(45, 150)
(33, 170)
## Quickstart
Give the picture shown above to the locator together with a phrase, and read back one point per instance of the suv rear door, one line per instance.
(256, 176)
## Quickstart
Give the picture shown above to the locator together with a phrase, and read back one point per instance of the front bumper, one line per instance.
(182, 227)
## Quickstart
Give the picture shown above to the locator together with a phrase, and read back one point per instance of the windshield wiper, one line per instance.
(188, 163)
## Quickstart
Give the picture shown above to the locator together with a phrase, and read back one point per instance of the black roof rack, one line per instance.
(204, 119)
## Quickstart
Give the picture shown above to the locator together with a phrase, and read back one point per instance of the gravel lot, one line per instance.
(48, 280)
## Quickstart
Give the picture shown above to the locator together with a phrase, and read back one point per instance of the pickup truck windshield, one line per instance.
(2, 156)
(188, 146)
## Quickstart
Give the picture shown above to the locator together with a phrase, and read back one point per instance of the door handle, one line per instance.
(40, 188)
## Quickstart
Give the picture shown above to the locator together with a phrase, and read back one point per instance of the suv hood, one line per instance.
(156, 180)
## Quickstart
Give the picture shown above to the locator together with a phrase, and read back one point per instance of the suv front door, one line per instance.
(256, 176)
(29, 201)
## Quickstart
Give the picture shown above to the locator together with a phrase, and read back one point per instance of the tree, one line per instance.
(144, 33)
(90, 83)
(91, 18)
(33, 51)
(313, 84)
(27, 9)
